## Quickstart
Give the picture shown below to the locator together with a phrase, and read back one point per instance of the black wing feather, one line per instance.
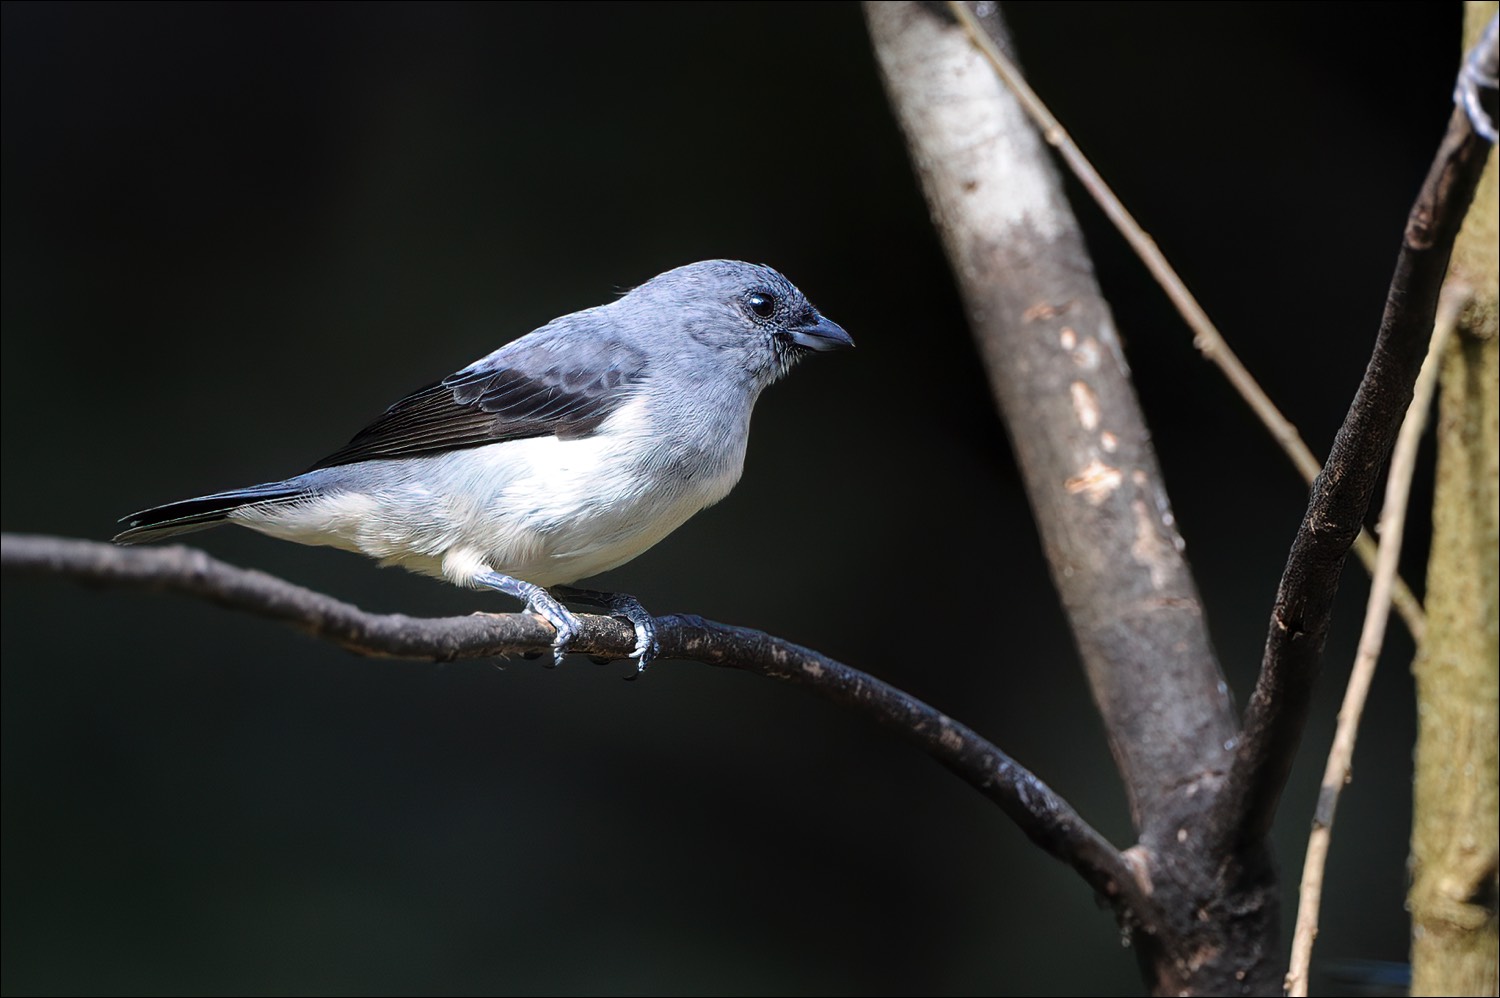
(501, 399)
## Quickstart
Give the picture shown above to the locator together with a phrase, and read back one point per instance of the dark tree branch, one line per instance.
(1277, 712)
(191, 572)
(1042, 815)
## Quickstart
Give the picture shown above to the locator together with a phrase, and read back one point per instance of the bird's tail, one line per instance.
(188, 515)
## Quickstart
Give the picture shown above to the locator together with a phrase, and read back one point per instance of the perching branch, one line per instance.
(1040, 813)
(1277, 712)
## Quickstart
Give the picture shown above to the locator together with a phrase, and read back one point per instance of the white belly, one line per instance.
(543, 510)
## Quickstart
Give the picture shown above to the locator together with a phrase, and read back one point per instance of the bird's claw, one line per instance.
(628, 609)
(563, 622)
(647, 647)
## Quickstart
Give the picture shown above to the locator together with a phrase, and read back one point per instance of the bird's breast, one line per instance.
(542, 509)
(558, 510)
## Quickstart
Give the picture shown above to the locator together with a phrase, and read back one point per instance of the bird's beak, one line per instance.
(821, 334)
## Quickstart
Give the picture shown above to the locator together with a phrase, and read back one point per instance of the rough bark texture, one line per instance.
(1277, 711)
(1046, 819)
(1455, 946)
(1055, 365)
(1057, 371)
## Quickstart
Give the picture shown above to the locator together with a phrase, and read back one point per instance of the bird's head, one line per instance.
(742, 312)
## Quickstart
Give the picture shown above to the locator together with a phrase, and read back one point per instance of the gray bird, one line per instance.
(561, 455)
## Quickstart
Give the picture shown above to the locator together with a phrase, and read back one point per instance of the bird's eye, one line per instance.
(762, 304)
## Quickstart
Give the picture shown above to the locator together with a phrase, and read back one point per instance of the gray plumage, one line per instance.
(561, 455)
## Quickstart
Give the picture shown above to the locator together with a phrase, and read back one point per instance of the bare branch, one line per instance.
(1206, 336)
(1042, 815)
(1341, 495)
(1060, 379)
(192, 572)
(1337, 772)
(1059, 376)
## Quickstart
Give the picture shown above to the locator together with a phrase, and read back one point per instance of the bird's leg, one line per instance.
(541, 603)
(627, 608)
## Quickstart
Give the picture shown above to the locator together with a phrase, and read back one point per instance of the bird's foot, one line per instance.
(627, 608)
(544, 605)
(562, 620)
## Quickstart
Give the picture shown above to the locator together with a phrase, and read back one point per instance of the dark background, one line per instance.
(233, 233)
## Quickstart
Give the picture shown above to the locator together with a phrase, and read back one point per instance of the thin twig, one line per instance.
(1206, 336)
(1277, 711)
(1042, 815)
(1377, 612)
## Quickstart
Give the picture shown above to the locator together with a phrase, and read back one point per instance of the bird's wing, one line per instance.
(558, 381)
